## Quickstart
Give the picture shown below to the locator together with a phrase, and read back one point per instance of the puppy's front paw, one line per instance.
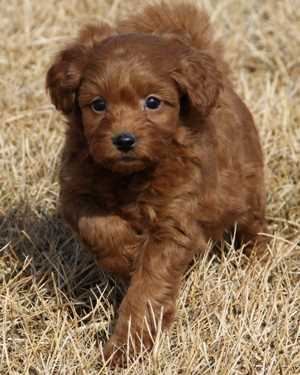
(115, 353)
(119, 351)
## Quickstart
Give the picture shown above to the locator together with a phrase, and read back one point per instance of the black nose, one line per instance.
(124, 141)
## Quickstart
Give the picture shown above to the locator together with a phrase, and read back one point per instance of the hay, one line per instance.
(56, 307)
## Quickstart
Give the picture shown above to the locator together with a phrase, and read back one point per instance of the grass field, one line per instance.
(234, 316)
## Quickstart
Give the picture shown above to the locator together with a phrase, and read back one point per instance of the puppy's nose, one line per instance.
(124, 141)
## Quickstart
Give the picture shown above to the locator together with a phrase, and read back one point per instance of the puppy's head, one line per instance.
(127, 90)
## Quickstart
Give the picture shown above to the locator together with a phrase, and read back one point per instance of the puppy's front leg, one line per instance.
(108, 236)
(151, 297)
(112, 240)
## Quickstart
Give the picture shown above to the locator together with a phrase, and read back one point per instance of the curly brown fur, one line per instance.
(196, 168)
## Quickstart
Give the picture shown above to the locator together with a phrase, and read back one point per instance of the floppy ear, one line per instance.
(64, 76)
(198, 77)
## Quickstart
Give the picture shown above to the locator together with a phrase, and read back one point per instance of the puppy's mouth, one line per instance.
(127, 164)
(127, 159)
(121, 162)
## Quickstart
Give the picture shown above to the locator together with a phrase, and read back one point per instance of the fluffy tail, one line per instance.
(182, 18)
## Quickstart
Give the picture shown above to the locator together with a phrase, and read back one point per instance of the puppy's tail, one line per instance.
(181, 18)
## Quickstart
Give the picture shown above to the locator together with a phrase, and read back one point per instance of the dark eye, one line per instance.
(98, 105)
(152, 102)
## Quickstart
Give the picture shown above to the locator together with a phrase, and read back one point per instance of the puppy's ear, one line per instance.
(198, 78)
(64, 76)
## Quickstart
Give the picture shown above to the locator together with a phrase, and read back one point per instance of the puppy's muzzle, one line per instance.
(124, 141)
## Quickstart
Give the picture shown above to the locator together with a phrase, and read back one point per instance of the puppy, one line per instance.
(160, 155)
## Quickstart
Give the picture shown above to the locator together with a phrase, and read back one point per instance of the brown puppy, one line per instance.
(160, 156)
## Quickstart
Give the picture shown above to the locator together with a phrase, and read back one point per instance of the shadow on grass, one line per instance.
(36, 243)
(41, 240)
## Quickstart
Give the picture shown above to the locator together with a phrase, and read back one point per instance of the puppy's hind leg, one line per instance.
(250, 232)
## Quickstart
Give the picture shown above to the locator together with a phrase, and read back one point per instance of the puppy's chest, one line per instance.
(140, 213)
(142, 201)
(137, 206)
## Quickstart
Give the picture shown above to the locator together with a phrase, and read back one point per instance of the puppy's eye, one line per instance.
(152, 102)
(98, 105)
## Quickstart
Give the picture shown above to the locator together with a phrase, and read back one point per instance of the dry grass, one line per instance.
(56, 306)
